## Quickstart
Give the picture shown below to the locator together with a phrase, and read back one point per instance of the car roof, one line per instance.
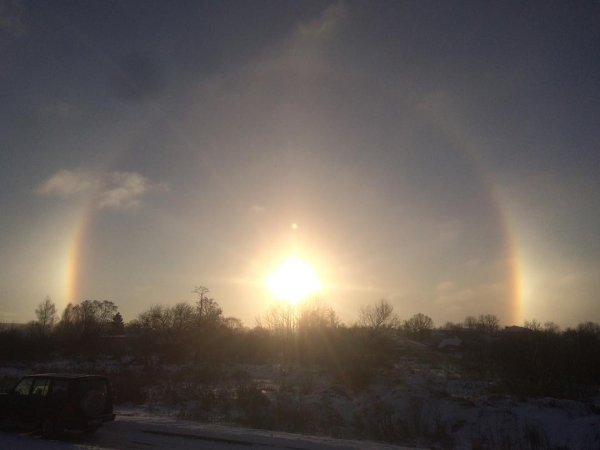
(65, 375)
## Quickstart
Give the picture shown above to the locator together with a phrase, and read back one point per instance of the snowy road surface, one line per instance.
(148, 432)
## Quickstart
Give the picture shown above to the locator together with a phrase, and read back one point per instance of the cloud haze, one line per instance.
(440, 155)
(12, 17)
(66, 183)
(114, 190)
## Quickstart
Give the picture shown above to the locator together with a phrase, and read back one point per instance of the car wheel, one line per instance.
(90, 431)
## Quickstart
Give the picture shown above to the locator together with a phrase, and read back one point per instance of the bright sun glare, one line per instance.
(293, 280)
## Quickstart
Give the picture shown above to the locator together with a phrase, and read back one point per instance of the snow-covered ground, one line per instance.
(131, 431)
(414, 403)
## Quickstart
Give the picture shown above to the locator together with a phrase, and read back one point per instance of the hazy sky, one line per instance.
(442, 155)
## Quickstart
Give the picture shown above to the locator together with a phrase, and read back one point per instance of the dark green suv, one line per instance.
(57, 402)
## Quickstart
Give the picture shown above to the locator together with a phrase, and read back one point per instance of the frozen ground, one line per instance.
(131, 431)
(415, 403)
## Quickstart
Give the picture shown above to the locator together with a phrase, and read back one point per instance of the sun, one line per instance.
(293, 281)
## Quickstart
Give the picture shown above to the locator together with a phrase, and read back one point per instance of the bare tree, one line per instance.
(156, 318)
(378, 316)
(470, 323)
(488, 323)
(182, 316)
(451, 326)
(419, 324)
(533, 325)
(46, 314)
(68, 316)
(233, 324)
(551, 327)
(89, 317)
(280, 318)
(316, 315)
(589, 327)
(207, 309)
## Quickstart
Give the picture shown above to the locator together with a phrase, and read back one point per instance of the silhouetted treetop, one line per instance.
(378, 316)
(46, 314)
(208, 310)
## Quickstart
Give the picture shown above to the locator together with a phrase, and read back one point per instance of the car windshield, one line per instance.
(24, 386)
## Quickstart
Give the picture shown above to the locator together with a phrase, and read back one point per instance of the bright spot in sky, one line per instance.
(293, 280)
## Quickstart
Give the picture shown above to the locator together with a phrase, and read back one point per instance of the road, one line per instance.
(152, 433)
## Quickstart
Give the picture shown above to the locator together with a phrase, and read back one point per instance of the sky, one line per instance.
(441, 155)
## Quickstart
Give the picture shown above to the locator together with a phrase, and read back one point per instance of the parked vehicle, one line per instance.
(53, 403)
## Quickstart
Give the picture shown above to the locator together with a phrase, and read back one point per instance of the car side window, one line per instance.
(23, 387)
(93, 384)
(60, 389)
(40, 387)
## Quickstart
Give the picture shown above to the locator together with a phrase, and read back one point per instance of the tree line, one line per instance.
(537, 359)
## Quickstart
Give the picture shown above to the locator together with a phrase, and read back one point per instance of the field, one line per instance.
(425, 396)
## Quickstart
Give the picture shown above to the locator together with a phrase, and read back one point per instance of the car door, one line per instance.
(19, 400)
(58, 397)
(38, 400)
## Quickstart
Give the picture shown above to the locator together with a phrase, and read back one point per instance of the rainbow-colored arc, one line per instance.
(74, 269)
(461, 141)
(458, 139)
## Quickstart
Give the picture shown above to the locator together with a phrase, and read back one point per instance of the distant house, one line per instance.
(514, 329)
(450, 343)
